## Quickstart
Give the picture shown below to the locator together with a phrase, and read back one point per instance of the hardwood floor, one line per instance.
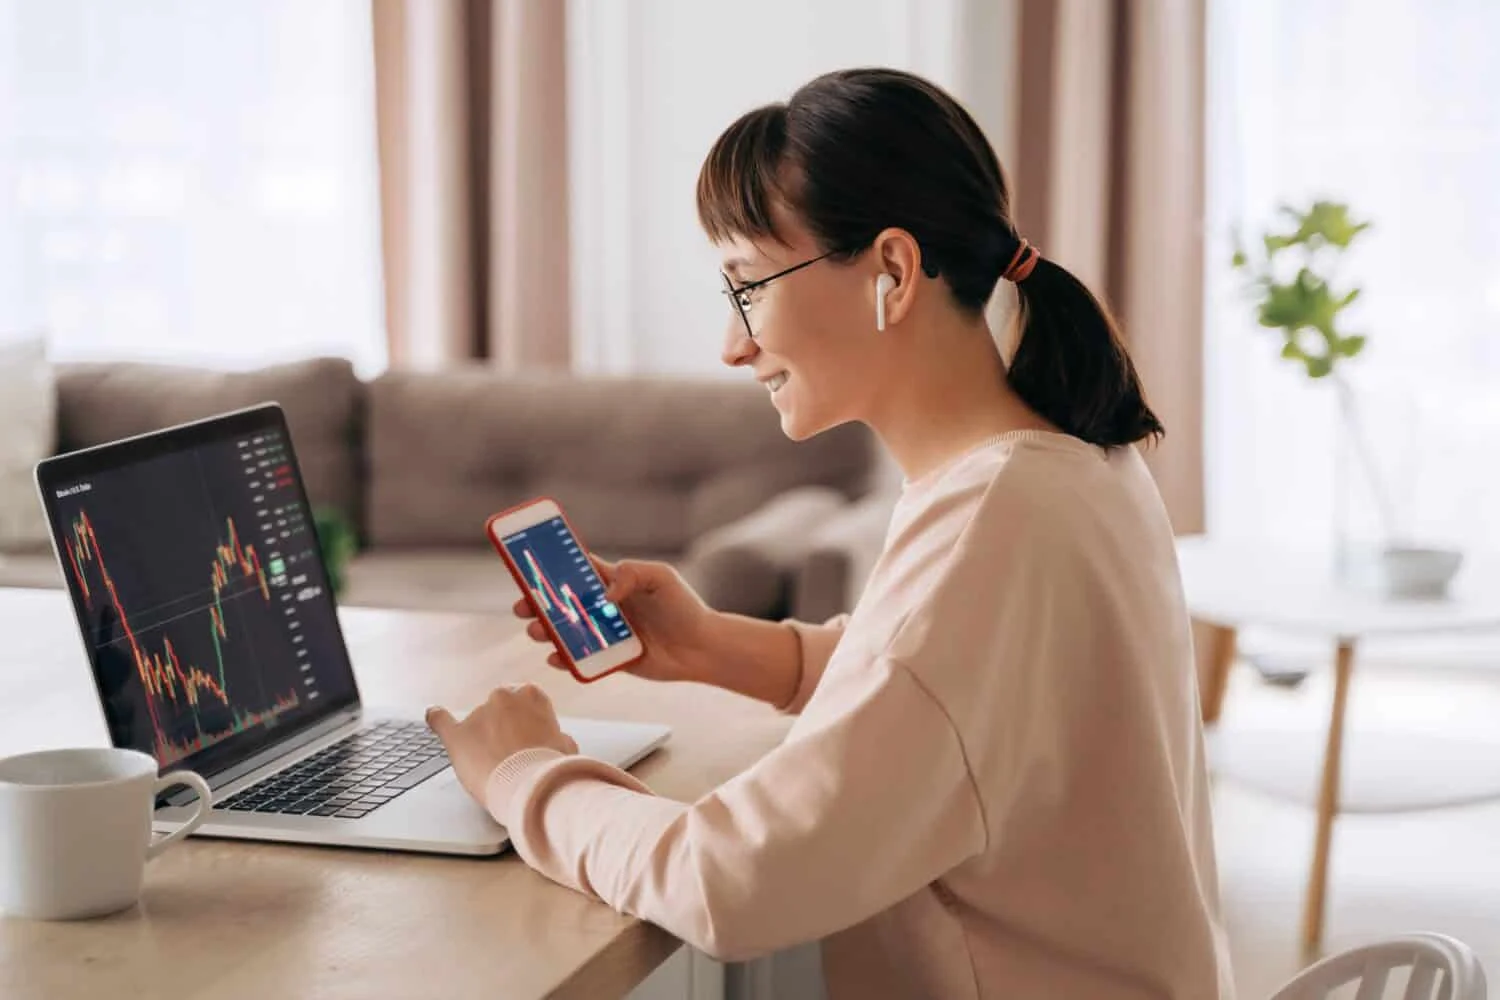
(1390, 873)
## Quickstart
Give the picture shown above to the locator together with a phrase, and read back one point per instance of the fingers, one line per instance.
(605, 568)
(534, 694)
(627, 580)
(440, 721)
(537, 633)
(523, 609)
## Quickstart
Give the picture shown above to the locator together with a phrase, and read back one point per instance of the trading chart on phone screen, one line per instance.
(564, 585)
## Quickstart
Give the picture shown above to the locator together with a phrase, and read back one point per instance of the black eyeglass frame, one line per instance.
(734, 293)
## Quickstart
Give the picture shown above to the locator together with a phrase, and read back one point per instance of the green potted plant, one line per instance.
(338, 542)
(1291, 281)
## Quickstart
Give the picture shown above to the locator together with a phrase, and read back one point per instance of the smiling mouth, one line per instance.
(776, 381)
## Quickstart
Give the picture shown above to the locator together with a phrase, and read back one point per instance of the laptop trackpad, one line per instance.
(437, 804)
(442, 802)
(619, 743)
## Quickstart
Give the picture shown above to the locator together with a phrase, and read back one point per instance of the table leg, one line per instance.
(1328, 805)
(1222, 649)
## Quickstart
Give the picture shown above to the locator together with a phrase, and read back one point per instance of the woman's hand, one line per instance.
(671, 619)
(514, 718)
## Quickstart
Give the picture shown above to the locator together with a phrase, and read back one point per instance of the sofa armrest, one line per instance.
(747, 566)
(838, 556)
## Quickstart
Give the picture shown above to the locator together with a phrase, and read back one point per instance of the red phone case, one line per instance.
(515, 572)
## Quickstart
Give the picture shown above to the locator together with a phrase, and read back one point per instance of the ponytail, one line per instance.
(1071, 365)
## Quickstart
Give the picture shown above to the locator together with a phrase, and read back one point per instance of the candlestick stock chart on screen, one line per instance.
(564, 586)
(197, 578)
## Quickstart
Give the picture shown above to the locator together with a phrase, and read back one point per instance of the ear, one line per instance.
(896, 253)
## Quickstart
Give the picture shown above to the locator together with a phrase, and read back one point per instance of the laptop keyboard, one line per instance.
(354, 776)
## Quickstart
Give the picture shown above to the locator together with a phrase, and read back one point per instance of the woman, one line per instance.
(995, 785)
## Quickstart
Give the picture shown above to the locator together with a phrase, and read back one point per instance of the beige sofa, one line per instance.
(696, 472)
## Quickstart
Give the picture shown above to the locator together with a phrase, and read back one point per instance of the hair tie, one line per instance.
(1021, 262)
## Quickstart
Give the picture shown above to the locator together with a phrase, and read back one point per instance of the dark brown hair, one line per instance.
(857, 151)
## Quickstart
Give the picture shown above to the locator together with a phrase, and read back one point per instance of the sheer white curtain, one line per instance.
(1391, 106)
(191, 181)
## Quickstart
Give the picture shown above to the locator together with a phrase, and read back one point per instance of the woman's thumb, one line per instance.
(623, 583)
(439, 720)
(604, 568)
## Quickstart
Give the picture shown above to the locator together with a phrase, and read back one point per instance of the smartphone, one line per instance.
(558, 578)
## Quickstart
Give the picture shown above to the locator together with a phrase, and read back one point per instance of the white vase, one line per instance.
(1381, 543)
(1360, 513)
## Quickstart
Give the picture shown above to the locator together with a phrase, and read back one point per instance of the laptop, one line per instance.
(204, 606)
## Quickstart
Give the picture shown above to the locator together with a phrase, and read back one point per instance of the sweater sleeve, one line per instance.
(816, 643)
(867, 801)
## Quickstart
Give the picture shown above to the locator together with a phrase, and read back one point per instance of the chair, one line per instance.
(1441, 969)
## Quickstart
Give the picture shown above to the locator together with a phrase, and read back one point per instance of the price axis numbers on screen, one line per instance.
(268, 475)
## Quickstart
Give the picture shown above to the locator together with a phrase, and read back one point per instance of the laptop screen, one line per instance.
(195, 572)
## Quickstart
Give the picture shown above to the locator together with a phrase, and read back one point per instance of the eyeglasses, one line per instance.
(741, 296)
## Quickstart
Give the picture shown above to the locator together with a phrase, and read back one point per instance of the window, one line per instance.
(1390, 107)
(190, 181)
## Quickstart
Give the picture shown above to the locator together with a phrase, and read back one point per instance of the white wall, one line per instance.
(652, 83)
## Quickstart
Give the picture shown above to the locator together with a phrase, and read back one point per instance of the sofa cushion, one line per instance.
(321, 397)
(429, 580)
(27, 432)
(639, 464)
(474, 580)
(439, 579)
(747, 566)
(30, 568)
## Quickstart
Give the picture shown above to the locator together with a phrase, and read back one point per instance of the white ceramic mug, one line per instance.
(75, 829)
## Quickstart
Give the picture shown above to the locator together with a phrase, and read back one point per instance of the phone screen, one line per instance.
(565, 587)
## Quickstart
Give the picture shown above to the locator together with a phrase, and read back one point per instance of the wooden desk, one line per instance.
(230, 919)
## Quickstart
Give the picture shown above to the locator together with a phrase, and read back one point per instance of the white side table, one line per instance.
(1235, 585)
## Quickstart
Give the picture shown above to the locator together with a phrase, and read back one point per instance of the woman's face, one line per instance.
(815, 344)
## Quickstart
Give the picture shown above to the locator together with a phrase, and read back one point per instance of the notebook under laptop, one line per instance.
(205, 610)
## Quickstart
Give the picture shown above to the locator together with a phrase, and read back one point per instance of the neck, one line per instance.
(944, 393)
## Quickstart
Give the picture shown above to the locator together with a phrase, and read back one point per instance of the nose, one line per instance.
(739, 349)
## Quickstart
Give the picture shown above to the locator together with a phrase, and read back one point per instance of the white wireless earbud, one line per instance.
(883, 285)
